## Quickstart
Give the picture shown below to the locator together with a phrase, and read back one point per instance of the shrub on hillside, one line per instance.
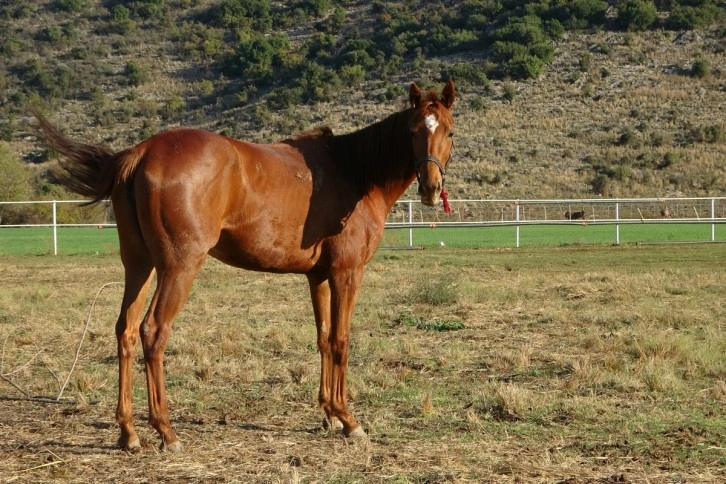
(525, 67)
(120, 20)
(601, 185)
(250, 15)
(71, 6)
(522, 47)
(256, 56)
(636, 15)
(701, 68)
(136, 74)
(467, 73)
(695, 15)
(580, 14)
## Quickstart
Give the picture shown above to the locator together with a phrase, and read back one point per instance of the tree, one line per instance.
(15, 185)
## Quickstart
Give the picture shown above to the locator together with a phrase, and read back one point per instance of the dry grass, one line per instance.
(574, 365)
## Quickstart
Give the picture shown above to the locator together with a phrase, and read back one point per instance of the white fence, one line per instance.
(616, 212)
(411, 214)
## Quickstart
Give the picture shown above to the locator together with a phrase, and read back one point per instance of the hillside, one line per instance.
(605, 111)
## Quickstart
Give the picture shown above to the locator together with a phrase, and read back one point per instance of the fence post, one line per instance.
(410, 221)
(516, 204)
(713, 217)
(617, 225)
(55, 230)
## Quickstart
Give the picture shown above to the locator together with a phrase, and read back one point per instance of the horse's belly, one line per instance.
(259, 253)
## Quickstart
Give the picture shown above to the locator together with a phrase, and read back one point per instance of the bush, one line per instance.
(249, 15)
(71, 6)
(689, 17)
(510, 91)
(627, 138)
(314, 8)
(705, 134)
(601, 185)
(522, 30)
(522, 47)
(318, 83)
(580, 14)
(636, 15)
(353, 75)
(525, 67)
(120, 21)
(174, 105)
(149, 9)
(135, 74)
(467, 73)
(701, 68)
(255, 57)
(504, 51)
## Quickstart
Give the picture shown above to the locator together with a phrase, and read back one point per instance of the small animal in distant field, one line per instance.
(665, 213)
(574, 215)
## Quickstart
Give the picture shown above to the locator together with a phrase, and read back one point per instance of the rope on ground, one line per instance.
(85, 330)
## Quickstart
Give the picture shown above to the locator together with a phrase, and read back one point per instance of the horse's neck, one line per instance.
(379, 157)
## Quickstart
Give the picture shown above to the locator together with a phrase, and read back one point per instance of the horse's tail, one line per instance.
(88, 170)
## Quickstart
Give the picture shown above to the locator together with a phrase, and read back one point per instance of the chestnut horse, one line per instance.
(314, 204)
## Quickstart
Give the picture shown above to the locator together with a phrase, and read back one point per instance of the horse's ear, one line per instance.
(448, 95)
(415, 96)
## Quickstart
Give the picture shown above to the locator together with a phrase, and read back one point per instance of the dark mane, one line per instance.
(317, 132)
(376, 153)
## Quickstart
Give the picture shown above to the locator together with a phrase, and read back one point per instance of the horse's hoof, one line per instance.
(173, 447)
(131, 445)
(332, 423)
(357, 434)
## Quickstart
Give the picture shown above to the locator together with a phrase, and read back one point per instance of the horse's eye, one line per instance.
(451, 134)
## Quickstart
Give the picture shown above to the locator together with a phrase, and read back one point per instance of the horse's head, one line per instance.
(432, 133)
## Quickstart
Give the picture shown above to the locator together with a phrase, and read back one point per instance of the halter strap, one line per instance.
(417, 164)
(435, 161)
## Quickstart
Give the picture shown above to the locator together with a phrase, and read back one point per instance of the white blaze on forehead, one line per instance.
(431, 122)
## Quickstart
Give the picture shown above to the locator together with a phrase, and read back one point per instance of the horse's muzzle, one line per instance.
(430, 196)
(429, 187)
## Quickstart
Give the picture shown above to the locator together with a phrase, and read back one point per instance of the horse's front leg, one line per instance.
(333, 302)
(320, 294)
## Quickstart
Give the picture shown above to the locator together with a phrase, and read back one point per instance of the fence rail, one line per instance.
(411, 214)
(621, 211)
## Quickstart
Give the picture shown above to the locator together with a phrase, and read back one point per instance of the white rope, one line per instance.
(85, 330)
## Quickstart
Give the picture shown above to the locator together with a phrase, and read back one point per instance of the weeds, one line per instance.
(437, 325)
(437, 292)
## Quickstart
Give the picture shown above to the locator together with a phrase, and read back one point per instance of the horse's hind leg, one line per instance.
(174, 281)
(138, 279)
(138, 269)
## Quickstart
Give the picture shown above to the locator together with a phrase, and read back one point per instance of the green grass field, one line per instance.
(71, 241)
(91, 240)
(553, 235)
